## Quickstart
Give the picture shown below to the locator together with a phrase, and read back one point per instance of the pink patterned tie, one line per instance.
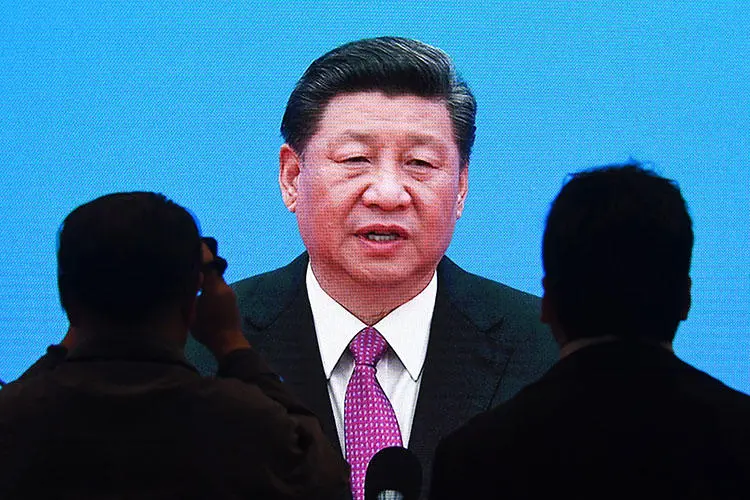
(369, 420)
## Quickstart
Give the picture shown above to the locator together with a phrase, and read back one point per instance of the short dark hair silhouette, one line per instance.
(392, 65)
(616, 253)
(126, 256)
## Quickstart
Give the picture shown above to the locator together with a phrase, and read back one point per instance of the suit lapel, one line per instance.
(464, 364)
(462, 371)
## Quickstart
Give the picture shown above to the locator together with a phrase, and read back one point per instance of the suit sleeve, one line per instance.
(303, 463)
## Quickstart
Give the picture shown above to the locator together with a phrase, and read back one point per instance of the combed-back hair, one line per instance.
(394, 66)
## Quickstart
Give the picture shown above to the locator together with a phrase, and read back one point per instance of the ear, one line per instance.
(289, 169)
(463, 189)
(687, 299)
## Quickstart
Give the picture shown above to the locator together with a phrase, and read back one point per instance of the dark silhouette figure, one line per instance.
(115, 411)
(619, 416)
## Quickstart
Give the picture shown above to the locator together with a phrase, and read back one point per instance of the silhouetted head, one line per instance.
(126, 259)
(616, 253)
(391, 65)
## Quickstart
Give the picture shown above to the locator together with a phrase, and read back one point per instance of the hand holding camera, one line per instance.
(217, 324)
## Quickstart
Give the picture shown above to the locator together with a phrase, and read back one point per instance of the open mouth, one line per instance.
(374, 236)
(382, 233)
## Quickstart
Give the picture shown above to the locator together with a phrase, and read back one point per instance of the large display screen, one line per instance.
(186, 98)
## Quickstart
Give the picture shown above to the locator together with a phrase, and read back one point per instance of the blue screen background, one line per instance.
(186, 98)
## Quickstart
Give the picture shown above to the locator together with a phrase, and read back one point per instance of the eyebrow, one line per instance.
(350, 135)
(363, 137)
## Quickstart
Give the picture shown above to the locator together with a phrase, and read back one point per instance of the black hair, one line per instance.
(125, 257)
(394, 66)
(616, 252)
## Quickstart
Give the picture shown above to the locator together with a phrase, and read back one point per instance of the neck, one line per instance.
(371, 302)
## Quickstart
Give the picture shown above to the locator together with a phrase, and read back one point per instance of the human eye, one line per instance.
(421, 163)
(355, 159)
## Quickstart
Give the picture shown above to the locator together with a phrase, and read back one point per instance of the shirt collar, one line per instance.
(406, 328)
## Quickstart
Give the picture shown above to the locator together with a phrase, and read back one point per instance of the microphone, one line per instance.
(393, 474)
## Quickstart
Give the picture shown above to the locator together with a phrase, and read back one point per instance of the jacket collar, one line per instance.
(275, 291)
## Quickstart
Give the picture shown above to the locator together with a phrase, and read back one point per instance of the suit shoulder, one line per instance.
(510, 317)
(15, 393)
(277, 279)
(261, 298)
(524, 417)
(714, 391)
(486, 301)
(481, 438)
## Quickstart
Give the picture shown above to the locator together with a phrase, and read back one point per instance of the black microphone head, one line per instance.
(393, 469)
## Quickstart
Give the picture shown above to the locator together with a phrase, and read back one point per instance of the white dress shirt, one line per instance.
(399, 371)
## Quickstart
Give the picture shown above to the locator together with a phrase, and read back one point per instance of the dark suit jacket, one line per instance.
(486, 343)
(135, 420)
(614, 420)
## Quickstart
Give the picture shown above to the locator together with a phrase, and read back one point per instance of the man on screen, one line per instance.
(619, 416)
(387, 340)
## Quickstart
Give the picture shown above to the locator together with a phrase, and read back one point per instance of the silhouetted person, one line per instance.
(619, 416)
(117, 412)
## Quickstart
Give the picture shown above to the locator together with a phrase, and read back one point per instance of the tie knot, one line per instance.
(368, 347)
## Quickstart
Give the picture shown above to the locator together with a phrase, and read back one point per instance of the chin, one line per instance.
(387, 274)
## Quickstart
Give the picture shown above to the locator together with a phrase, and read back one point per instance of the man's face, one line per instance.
(378, 189)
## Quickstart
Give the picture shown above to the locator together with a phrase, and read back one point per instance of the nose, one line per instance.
(387, 188)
